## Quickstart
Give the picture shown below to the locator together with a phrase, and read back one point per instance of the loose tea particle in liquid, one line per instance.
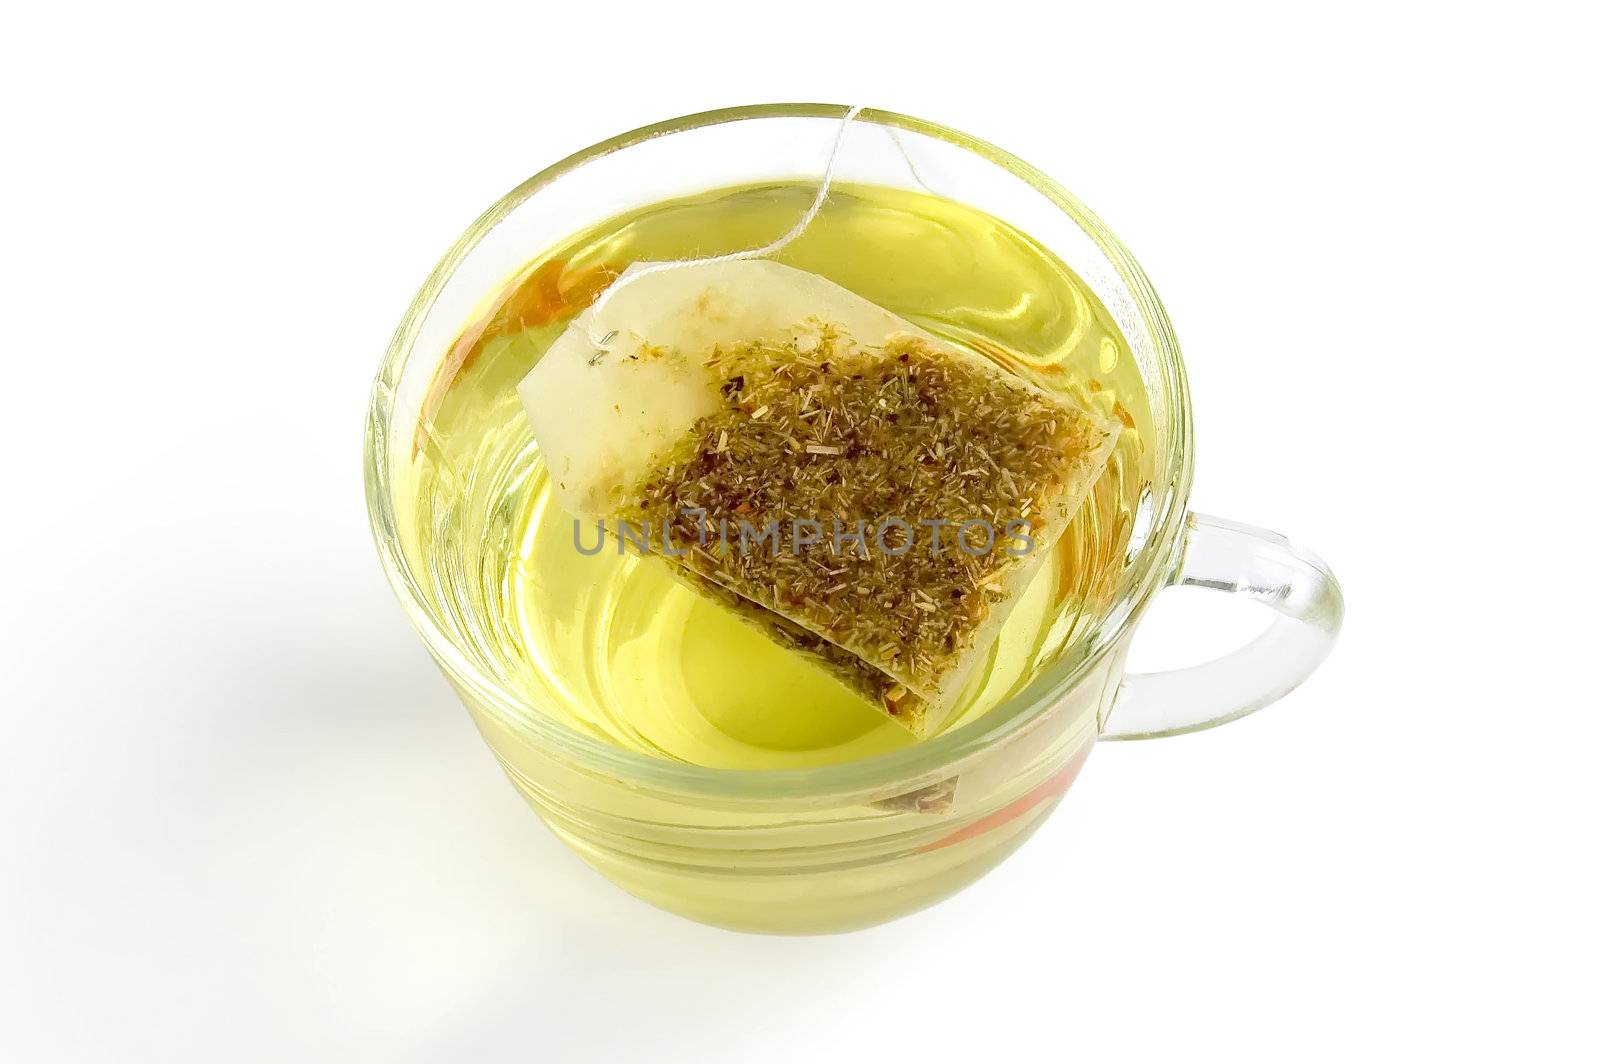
(820, 458)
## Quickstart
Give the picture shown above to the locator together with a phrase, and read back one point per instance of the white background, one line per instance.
(243, 819)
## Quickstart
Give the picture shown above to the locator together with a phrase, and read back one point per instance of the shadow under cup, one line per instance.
(848, 845)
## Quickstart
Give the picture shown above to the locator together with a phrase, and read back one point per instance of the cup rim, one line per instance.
(1151, 567)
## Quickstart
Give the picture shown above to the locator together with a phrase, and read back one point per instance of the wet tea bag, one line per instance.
(867, 493)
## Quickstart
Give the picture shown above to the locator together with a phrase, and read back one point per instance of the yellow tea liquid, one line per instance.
(614, 646)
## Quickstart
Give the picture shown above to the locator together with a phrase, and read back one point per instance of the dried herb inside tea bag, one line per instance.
(870, 495)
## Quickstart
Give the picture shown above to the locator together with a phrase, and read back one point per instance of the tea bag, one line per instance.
(867, 493)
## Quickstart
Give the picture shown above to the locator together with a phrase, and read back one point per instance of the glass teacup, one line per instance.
(848, 845)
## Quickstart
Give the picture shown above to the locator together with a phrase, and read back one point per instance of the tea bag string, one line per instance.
(773, 248)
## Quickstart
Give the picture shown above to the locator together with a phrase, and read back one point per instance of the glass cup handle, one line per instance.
(1238, 560)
